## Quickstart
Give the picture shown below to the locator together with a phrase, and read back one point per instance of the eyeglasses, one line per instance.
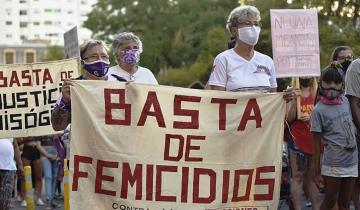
(97, 57)
(249, 24)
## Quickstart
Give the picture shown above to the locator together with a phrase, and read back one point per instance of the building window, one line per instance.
(47, 10)
(23, 12)
(22, 37)
(23, 24)
(36, 23)
(70, 12)
(8, 23)
(22, 1)
(57, 10)
(9, 56)
(36, 11)
(48, 22)
(58, 23)
(30, 56)
(8, 36)
(37, 36)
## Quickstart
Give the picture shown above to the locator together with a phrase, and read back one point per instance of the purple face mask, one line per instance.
(131, 56)
(97, 68)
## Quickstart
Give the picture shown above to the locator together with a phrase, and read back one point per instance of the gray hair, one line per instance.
(89, 44)
(241, 13)
(124, 38)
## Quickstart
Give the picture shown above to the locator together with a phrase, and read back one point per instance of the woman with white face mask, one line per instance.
(127, 48)
(241, 68)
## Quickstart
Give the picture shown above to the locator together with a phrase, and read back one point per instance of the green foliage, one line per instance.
(182, 37)
(54, 53)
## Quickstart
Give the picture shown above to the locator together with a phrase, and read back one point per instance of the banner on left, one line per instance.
(28, 93)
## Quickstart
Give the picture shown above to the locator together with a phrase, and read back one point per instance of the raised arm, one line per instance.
(61, 115)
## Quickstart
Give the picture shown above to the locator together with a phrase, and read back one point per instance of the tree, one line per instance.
(182, 37)
(173, 32)
(54, 53)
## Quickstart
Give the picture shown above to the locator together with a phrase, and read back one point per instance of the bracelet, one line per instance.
(66, 106)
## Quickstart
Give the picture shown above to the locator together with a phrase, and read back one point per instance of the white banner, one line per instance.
(28, 93)
(295, 42)
(156, 147)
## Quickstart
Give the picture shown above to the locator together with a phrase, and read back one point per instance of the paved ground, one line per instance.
(17, 206)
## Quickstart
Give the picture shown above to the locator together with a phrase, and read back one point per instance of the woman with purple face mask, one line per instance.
(95, 62)
(127, 49)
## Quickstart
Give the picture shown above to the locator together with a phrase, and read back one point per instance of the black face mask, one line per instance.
(345, 65)
(305, 82)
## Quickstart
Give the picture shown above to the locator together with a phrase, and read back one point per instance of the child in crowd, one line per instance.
(331, 121)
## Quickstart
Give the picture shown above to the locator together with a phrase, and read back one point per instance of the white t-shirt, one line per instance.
(7, 155)
(142, 75)
(235, 73)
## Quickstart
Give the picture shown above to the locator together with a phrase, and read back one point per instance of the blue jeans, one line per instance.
(50, 170)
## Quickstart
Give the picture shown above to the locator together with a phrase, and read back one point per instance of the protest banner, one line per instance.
(71, 43)
(295, 42)
(137, 146)
(28, 93)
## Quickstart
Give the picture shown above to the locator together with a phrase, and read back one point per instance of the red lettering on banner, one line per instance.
(152, 108)
(149, 182)
(127, 177)
(26, 75)
(225, 190)
(77, 173)
(238, 173)
(184, 184)
(178, 111)
(70, 74)
(64, 75)
(14, 79)
(109, 106)
(222, 110)
(26, 78)
(196, 187)
(252, 105)
(37, 76)
(182, 178)
(269, 182)
(3, 79)
(190, 147)
(168, 139)
(159, 170)
(47, 76)
(101, 177)
(152, 101)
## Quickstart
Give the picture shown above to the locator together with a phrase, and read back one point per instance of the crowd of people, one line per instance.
(323, 116)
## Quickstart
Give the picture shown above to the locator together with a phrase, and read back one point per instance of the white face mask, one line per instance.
(249, 35)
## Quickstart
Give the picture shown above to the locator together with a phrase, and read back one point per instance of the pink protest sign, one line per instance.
(295, 42)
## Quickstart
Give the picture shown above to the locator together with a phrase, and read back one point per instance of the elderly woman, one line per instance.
(127, 49)
(95, 61)
(242, 68)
